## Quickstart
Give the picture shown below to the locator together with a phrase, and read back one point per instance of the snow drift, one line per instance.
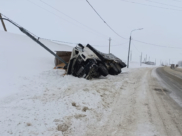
(21, 57)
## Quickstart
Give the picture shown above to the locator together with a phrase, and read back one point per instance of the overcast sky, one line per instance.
(75, 21)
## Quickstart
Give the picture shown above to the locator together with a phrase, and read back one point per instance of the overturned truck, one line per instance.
(87, 62)
(83, 61)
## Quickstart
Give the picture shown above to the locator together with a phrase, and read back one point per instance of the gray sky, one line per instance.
(162, 24)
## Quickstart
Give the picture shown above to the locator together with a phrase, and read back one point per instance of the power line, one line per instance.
(105, 21)
(163, 4)
(136, 48)
(77, 43)
(65, 15)
(149, 5)
(72, 18)
(57, 15)
(156, 44)
(117, 44)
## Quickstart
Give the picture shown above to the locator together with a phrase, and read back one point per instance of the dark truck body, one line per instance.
(93, 64)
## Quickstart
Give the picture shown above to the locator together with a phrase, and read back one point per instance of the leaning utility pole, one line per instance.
(3, 23)
(109, 44)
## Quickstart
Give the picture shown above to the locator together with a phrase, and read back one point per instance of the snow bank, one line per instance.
(21, 57)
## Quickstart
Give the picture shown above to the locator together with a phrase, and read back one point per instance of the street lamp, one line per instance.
(130, 44)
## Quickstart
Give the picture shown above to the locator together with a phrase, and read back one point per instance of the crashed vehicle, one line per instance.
(87, 62)
(84, 61)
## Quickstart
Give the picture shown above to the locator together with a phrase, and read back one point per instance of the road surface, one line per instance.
(143, 108)
(171, 79)
(170, 94)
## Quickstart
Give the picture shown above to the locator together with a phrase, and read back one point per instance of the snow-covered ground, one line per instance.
(39, 100)
(20, 57)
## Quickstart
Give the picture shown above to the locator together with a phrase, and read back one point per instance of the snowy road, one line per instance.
(172, 82)
(130, 104)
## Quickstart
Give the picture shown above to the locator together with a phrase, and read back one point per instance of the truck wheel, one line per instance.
(113, 70)
(103, 70)
(118, 68)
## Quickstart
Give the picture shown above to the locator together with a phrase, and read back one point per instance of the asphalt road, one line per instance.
(171, 79)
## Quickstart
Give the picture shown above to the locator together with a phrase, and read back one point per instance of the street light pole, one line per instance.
(129, 52)
(130, 45)
(109, 44)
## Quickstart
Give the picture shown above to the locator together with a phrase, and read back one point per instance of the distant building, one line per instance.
(180, 63)
(149, 63)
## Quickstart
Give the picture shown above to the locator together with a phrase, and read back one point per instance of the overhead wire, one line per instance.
(77, 43)
(73, 19)
(157, 44)
(135, 40)
(105, 21)
(133, 2)
(57, 15)
(163, 3)
(136, 48)
(65, 15)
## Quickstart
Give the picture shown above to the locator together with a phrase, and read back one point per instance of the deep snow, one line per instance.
(20, 57)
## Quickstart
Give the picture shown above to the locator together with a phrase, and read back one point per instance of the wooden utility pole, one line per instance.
(3, 23)
(109, 44)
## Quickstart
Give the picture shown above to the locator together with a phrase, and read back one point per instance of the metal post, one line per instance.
(130, 45)
(109, 44)
(141, 60)
(3, 23)
(129, 52)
